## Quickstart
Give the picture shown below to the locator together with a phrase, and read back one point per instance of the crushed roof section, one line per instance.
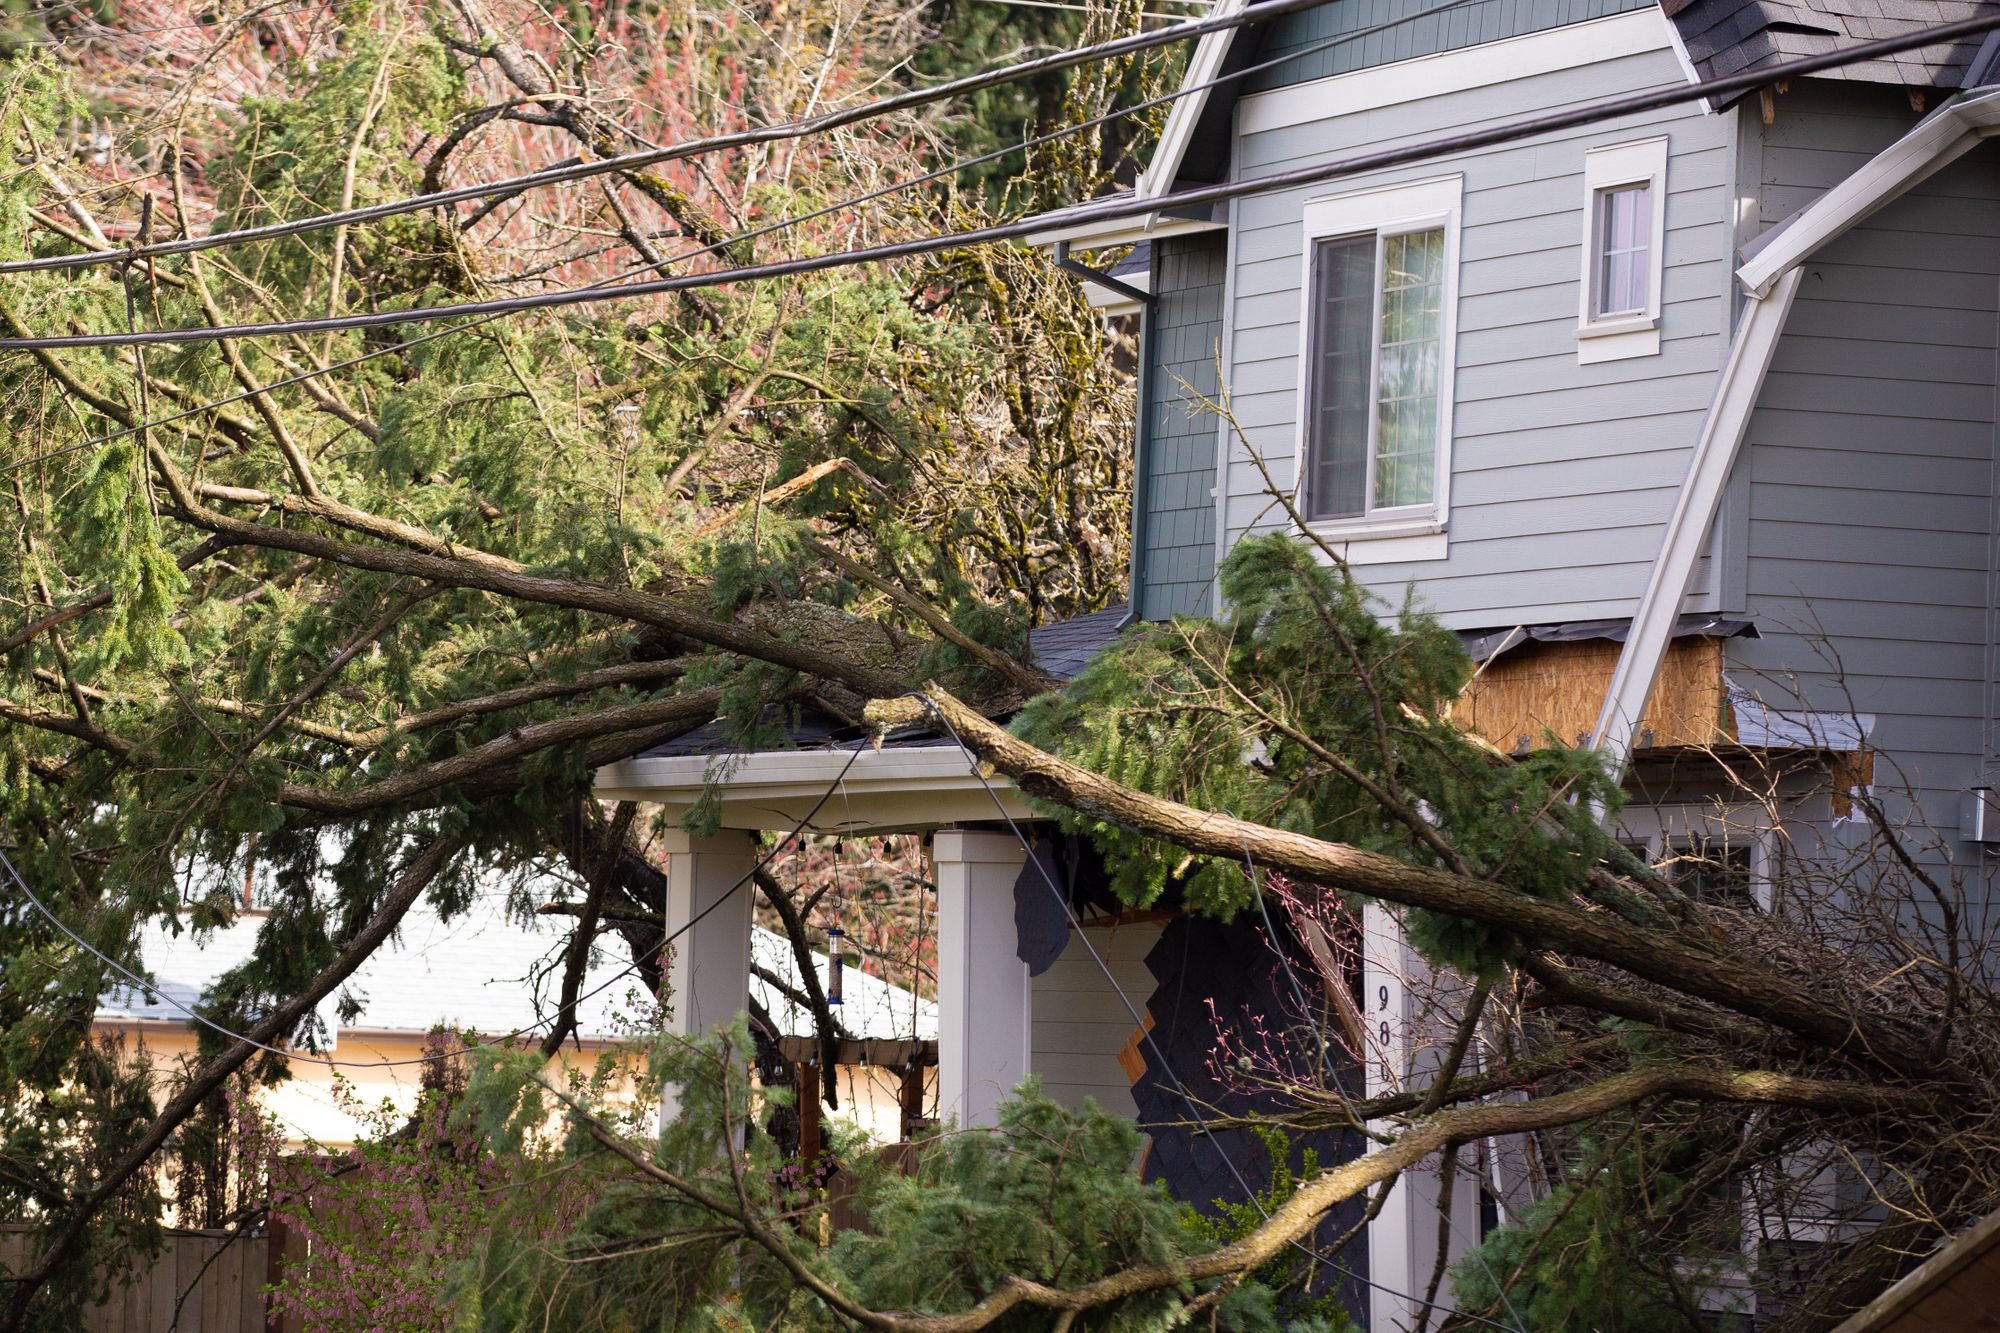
(1724, 37)
(1485, 644)
(1062, 648)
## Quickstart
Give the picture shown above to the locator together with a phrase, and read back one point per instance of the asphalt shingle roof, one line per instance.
(1724, 37)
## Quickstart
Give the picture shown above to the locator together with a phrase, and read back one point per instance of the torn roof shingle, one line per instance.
(1724, 37)
(1062, 648)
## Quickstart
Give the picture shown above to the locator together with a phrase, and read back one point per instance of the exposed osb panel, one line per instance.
(1131, 1058)
(1524, 696)
(1851, 771)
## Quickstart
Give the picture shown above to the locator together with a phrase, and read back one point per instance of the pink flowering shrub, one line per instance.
(390, 1228)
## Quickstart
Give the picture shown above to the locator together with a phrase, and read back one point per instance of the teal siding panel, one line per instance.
(1178, 563)
(1469, 25)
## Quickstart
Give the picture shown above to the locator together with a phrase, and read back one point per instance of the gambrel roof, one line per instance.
(1724, 37)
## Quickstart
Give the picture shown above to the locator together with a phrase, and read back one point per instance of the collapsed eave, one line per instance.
(896, 788)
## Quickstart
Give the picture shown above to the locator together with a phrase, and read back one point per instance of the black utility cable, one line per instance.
(1118, 209)
(781, 224)
(150, 988)
(791, 129)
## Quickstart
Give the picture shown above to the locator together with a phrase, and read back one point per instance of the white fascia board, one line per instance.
(1426, 77)
(1715, 454)
(1120, 231)
(1954, 130)
(1203, 66)
(897, 787)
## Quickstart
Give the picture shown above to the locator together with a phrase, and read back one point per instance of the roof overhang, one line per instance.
(1095, 235)
(894, 789)
(1952, 131)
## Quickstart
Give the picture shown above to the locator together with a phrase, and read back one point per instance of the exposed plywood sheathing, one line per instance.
(1544, 689)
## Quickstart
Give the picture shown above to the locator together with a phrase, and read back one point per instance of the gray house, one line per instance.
(1685, 418)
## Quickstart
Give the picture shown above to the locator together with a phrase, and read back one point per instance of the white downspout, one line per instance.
(1715, 454)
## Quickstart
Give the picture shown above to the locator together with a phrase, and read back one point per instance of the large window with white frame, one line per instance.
(1624, 236)
(1381, 290)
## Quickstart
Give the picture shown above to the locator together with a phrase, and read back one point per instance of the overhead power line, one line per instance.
(781, 224)
(1112, 210)
(141, 984)
(791, 129)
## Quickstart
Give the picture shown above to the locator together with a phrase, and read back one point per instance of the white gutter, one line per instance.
(1715, 453)
(1953, 131)
(1771, 277)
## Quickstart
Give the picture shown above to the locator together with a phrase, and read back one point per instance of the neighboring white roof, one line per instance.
(485, 972)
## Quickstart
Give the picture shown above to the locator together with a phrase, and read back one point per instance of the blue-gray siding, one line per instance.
(1563, 474)
(1468, 25)
(1184, 336)
(1870, 458)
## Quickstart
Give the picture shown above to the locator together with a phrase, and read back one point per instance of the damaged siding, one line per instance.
(1186, 332)
(1563, 474)
(1869, 460)
(1080, 1024)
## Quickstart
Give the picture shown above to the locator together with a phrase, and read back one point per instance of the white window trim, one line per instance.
(1413, 532)
(1621, 336)
(1660, 826)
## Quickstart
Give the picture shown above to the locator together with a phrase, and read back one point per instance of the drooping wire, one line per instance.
(792, 129)
(780, 224)
(1145, 1032)
(1115, 209)
(149, 988)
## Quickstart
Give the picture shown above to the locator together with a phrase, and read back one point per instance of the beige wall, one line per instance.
(309, 1110)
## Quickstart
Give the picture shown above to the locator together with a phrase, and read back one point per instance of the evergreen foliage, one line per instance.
(1049, 1195)
(1631, 1242)
(1297, 707)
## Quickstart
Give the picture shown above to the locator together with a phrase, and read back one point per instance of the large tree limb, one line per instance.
(1733, 982)
(1295, 1219)
(489, 576)
(694, 707)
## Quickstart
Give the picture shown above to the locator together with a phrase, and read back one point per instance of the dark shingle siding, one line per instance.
(1180, 502)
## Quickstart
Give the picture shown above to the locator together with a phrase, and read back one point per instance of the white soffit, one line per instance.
(1592, 42)
(1203, 66)
(894, 788)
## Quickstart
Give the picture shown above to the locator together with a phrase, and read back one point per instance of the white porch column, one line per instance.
(984, 1004)
(708, 969)
(1403, 1239)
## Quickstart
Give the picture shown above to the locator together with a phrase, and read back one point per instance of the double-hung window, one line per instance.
(1625, 213)
(1380, 297)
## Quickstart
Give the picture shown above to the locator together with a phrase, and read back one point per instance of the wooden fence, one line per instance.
(216, 1278)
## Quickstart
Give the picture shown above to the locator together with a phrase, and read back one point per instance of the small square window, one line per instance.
(1625, 246)
(1712, 871)
(1623, 235)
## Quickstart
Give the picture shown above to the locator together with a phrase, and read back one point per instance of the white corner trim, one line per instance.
(1594, 41)
(1715, 452)
(1947, 135)
(1203, 66)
